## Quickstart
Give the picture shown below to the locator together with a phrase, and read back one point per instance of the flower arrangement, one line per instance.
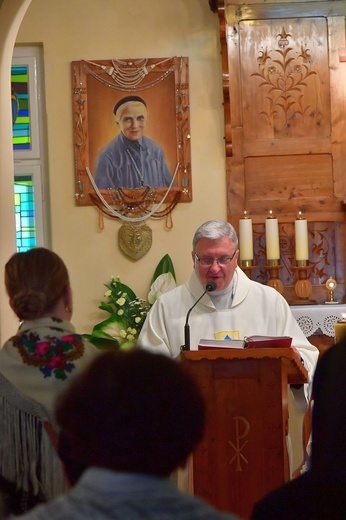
(128, 312)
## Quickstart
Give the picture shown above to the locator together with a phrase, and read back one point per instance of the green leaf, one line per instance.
(164, 266)
(105, 307)
(128, 345)
(102, 343)
(59, 374)
(114, 322)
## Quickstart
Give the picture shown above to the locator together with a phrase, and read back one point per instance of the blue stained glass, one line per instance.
(22, 146)
(20, 70)
(24, 213)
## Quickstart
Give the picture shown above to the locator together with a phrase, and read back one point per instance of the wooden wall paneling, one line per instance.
(287, 141)
(235, 163)
(285, 95)
(225, 86)
(338, 89)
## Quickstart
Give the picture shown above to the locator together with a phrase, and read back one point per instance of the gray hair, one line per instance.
(214, 230)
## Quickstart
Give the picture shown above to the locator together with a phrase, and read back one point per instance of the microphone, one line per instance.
(211, 286)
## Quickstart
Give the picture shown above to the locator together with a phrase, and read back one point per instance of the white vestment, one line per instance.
(256, 309)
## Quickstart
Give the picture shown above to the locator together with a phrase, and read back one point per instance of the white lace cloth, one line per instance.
(318, 318)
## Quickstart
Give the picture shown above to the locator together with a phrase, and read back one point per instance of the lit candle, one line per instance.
(301, 238)
(245, 238)
(272, 237)
(340, 329)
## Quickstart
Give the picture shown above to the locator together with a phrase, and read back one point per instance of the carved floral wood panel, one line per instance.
(286, 117)
(285, 78)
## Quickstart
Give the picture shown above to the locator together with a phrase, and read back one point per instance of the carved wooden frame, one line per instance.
(96, 87)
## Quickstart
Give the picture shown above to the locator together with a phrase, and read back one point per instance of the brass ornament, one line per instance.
(331, 285)
(135, 240)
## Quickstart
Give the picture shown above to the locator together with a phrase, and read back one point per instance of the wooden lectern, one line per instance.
(243, 454)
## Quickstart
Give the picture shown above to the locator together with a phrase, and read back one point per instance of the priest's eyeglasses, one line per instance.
(207, 261)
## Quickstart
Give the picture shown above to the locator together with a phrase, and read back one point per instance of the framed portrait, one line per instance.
(131, 131)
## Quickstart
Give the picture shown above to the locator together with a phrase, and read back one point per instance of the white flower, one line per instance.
(163, 283)
(108, 293)
(138, 319)
(121, 301)
(120, 312)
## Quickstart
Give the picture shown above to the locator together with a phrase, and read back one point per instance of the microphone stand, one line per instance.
(211, 286)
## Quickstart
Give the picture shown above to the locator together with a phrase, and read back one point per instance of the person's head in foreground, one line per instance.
(215, 253)
(132, 411)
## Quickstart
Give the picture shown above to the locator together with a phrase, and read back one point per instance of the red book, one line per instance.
(247, 342)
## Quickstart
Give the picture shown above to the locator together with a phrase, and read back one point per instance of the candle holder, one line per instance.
(340, 329)
(274, 281)
(303, 287)
(247, 266)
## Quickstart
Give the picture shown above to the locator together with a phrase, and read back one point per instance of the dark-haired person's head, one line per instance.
(132, 411)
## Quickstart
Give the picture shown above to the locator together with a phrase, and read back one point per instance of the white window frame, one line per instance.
(34, 161)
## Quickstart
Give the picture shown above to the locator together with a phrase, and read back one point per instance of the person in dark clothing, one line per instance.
(318, 494)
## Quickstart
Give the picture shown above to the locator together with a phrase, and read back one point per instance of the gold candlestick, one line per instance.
(247, 267)
(274, 281)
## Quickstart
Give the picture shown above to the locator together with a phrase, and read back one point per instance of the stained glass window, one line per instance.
(27, 98)
(20, 108)
(24, 204)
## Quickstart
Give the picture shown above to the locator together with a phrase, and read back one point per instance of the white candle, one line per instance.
(245, 238)
(272, 237)
(301, 238)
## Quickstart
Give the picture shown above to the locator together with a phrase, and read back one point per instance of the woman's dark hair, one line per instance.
(34, 281)
(132, 411)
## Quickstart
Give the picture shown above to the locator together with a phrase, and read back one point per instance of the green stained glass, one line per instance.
(24, 204)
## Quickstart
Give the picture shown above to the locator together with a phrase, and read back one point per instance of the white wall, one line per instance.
(102, 29)
(11, 14)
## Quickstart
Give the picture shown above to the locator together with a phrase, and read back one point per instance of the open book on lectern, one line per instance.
(247, 342)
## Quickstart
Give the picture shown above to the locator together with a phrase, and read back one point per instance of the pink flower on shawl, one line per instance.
(69, 338)
(42, 348)
(57, 362)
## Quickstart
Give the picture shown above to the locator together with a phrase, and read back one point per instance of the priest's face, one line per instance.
(215, 261)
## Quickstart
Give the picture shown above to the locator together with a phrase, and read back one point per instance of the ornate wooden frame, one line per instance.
(98, 85)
